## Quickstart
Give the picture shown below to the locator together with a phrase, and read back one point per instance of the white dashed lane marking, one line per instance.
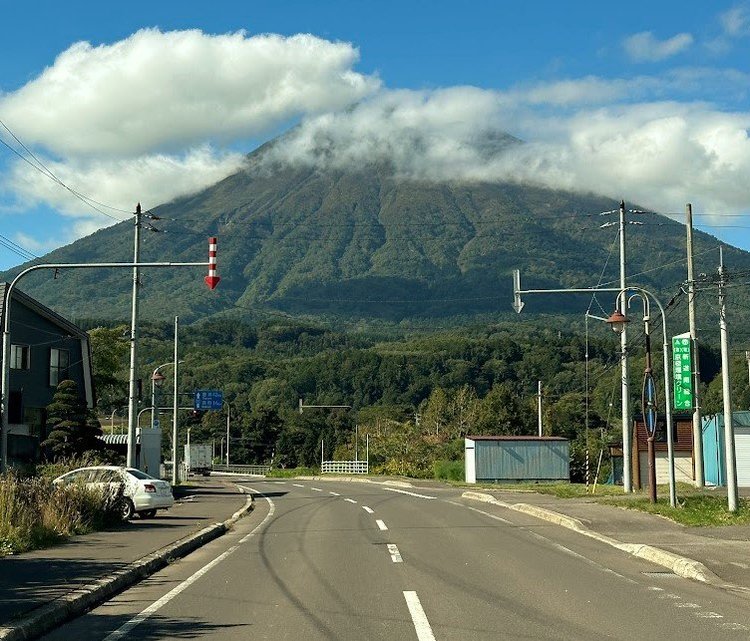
(316, 489)
(351, 501)
(369, 510)
(418, 617)
(395, 554)
(297, 485)
(381, 525)
(334, 494)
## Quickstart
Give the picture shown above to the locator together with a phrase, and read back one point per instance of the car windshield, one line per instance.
(139, 475)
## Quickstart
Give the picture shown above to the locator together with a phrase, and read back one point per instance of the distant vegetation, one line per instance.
(415, 394)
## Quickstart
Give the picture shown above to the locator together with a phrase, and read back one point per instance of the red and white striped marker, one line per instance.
(212, 280)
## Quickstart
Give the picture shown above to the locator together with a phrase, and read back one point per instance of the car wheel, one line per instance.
(148, 514)
(127, 509)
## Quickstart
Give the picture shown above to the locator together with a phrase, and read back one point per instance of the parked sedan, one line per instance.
(142, 494)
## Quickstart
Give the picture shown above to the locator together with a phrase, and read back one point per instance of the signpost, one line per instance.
(682, 372)
(208, 399)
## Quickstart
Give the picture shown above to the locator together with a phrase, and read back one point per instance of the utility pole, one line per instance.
(747, 358)
(539, 408)
(133, 398)
(175, 397)
(697, 426)
(227, 434)
(730, 457)
(627, 482)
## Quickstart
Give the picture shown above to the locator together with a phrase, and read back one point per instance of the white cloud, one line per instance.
(735, 21)
(152, 179)
(660, 154)
(162, 91)
(146, 118)
(645, 47)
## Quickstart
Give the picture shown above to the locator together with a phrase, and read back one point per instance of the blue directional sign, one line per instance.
(208, 399)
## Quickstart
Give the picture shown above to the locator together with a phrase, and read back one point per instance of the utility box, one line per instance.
(149, 453)
(510, 459)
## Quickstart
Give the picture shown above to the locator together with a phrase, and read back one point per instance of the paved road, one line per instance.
(330, 560)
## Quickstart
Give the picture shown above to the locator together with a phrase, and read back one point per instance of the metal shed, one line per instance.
(516, 458)
(713, 448)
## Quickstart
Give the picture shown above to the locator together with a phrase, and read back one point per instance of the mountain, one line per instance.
(365, 243)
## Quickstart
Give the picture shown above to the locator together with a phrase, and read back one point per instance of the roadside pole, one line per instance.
(175, 396)
(697, 426)
(730, 456)
(627, 479)
(132, 397)
(539, 408)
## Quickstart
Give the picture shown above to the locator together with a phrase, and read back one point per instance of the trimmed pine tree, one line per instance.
(74, 427)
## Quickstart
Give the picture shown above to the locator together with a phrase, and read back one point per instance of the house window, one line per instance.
(19, 357)
(59, 359)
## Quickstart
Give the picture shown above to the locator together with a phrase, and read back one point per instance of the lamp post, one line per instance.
(157, 380)
(646, 296)
(617, 322)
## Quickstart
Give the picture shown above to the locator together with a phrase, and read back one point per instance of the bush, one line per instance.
(34, 513)
(291, 472)
(449, 470)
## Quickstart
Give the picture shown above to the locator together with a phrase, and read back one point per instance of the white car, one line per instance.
(142, 494)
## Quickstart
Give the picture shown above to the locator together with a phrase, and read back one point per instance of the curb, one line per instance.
(77, 602)
(680, 565)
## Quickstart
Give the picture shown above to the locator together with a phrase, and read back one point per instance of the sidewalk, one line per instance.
(723, 550)
(33, 579)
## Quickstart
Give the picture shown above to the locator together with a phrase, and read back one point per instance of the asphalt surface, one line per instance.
(32, 579)
(335, 560)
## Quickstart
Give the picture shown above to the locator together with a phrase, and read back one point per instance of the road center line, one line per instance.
(369, 510)
(418, 617)
(351, 501)
(139, 618)
(395, 554)
(297, 485)
(381, 525)
(316, 489)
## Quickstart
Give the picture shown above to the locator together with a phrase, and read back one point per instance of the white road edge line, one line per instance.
(351, 501)
(395, 554)
(418, 617)
(381, 525)
(419, 496)
(369, 510)
(139, 618)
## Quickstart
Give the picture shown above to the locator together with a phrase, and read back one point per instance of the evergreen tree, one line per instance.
(74, 428)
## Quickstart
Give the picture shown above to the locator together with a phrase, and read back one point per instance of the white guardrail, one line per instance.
(255, 470)
(345, 467)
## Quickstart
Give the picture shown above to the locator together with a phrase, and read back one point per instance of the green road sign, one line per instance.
(682, 372)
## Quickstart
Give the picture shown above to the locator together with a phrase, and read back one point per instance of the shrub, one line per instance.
(449, 470)
(34, 513)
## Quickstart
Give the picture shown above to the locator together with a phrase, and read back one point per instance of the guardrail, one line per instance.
(255, 470)
(345, 467)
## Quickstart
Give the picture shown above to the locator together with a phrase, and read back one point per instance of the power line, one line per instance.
(46, 171)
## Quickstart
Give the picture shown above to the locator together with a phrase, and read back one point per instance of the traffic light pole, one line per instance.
(5, 386)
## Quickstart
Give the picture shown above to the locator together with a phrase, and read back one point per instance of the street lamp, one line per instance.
(619, 321)
(157, 380)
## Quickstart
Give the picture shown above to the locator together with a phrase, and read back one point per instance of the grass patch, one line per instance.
(35, 514)
(694, 510)
(291, 472)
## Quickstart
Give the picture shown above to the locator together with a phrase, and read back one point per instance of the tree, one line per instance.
(108, 360)
(74, 428)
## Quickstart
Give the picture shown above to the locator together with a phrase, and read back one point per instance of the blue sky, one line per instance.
(646, 101)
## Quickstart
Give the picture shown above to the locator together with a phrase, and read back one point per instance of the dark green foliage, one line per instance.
(74, 429)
